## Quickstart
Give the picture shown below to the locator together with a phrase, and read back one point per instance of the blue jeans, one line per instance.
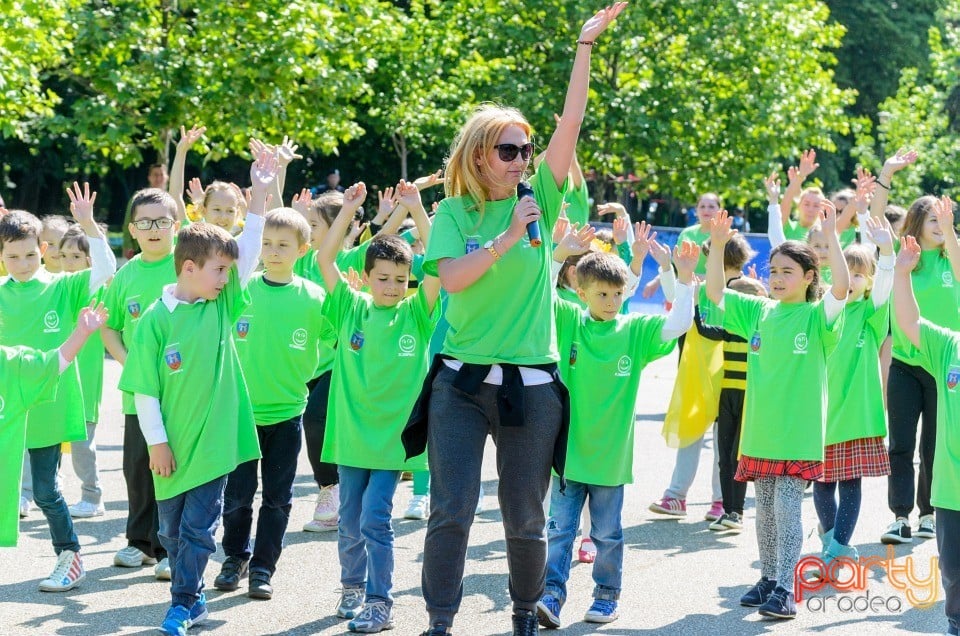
(279, 447)
(188, 524)
(606, 506)
(46, 492)
(365, 536)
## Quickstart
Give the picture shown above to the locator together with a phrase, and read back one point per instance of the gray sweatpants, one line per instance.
(459, 425)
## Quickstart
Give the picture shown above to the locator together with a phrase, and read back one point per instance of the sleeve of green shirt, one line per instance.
(934, 342)
(339, 304)
(648, 337)
(879, 321)
(111, 300)
(140, 373)
(741, 313)
(235, 296)
(446, 239)
(549, 197)
(38, 374)
(78, 290)
(426, 320)
(829, 334)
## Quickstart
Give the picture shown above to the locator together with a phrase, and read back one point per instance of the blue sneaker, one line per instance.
(548, 611)
(176, 622)
(602, 611)
(198, 613)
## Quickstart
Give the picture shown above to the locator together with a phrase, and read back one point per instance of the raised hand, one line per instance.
(721, 229)
(643, 236)
(620, 227)
(828, 216)
(429, 181)
(301, 202)
(596, 25)
(356, 229)
(263, 171)
(92, 318)
(354, 197)
(879, 231)
(577, 241)
(244, 196)
(257, 147)
(287, 152)
(195, 191)
(900, 160)
(685, 257)
(752, 272)
(808, 163)
(772, 186)
(354, 280)
(611, 208)
(943, 209)
(387, 200)
(865, 190)
(908, 256)
(189, 137)
(560, 228)
(409, 195)
(81, 204)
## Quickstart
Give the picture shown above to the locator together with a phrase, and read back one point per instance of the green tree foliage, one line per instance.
(924, 115)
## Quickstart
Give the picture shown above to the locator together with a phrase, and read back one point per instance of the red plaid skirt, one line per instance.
(751, 468)
(866, 457)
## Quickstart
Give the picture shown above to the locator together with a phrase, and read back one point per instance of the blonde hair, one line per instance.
(470, 148)
(288, 219)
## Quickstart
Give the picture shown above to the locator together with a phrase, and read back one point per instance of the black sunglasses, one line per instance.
(509, 152)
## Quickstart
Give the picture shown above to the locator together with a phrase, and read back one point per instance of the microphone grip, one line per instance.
(533, 228)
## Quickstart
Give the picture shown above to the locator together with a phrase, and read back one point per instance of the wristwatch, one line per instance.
(490, 248)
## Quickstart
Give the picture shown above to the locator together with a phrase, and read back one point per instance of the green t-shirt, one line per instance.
(506, 315)
(695, 234)
(282, 339)
(853, 374)
(786, 404)
(600, 364)
(41, 313)
(188, 360)
(940, 356)
(307, 266)
(578, 204)
(377, 376)
(571, 297)
(27, 376)
(795, 232)
(90, 363)
(848, 236)
(938, 297)
(134, 288)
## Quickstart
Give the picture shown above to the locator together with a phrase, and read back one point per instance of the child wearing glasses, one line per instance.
(153, 214)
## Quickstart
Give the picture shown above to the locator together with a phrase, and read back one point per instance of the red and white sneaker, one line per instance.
(587, 552)
(67, 575)
(670, 506)
(715, 512)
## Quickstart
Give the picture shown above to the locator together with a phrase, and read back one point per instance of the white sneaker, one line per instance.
(419, 508)
(24, 507)
(328, 504)
(480, 501)
(131, 557)
(85, 510)
(162, 570)
(67, 575)
(321, 526)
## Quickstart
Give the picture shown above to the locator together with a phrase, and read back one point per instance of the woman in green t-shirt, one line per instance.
(499, 370)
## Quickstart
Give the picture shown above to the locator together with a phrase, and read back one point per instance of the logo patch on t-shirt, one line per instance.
(51, 322)
(472, 244)
(862, 339)
(623, 366)
(299, 339)
(953, 378)
(755, 342)
(172, 357)
(407, 345)
(133, 308)
(800, 343)
(573, 354)
(947, 278)
(243, 327)
(356, 340)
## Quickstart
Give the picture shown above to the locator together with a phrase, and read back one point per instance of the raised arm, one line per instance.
(775, 221)
(103, 264)
(905, 309)
(177, 180)
(838, 264)
(866, 183)
(263, 175)
(891, 166)
(795, 178)
(91, 318)
(563, 143)
(720, 234)
(327, 254)
(878, 232)
(943, 208)
(410, 199)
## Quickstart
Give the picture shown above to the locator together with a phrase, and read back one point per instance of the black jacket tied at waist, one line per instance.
(511, 404)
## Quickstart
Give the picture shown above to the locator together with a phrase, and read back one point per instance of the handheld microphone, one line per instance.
(533, 228)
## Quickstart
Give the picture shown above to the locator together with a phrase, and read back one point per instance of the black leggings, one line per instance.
(728, 445)
(314, 426)
(911, 393)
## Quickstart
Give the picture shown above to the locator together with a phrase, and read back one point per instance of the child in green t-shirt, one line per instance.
(183, 348)
(938, 350)
(282, 330)
(382, 356)
(27, 377)
(602, 355)
(153, 225)
(37, 308)
(75, 257)
(790, 336)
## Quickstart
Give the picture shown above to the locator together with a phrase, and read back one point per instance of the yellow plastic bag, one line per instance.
(696, 393)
